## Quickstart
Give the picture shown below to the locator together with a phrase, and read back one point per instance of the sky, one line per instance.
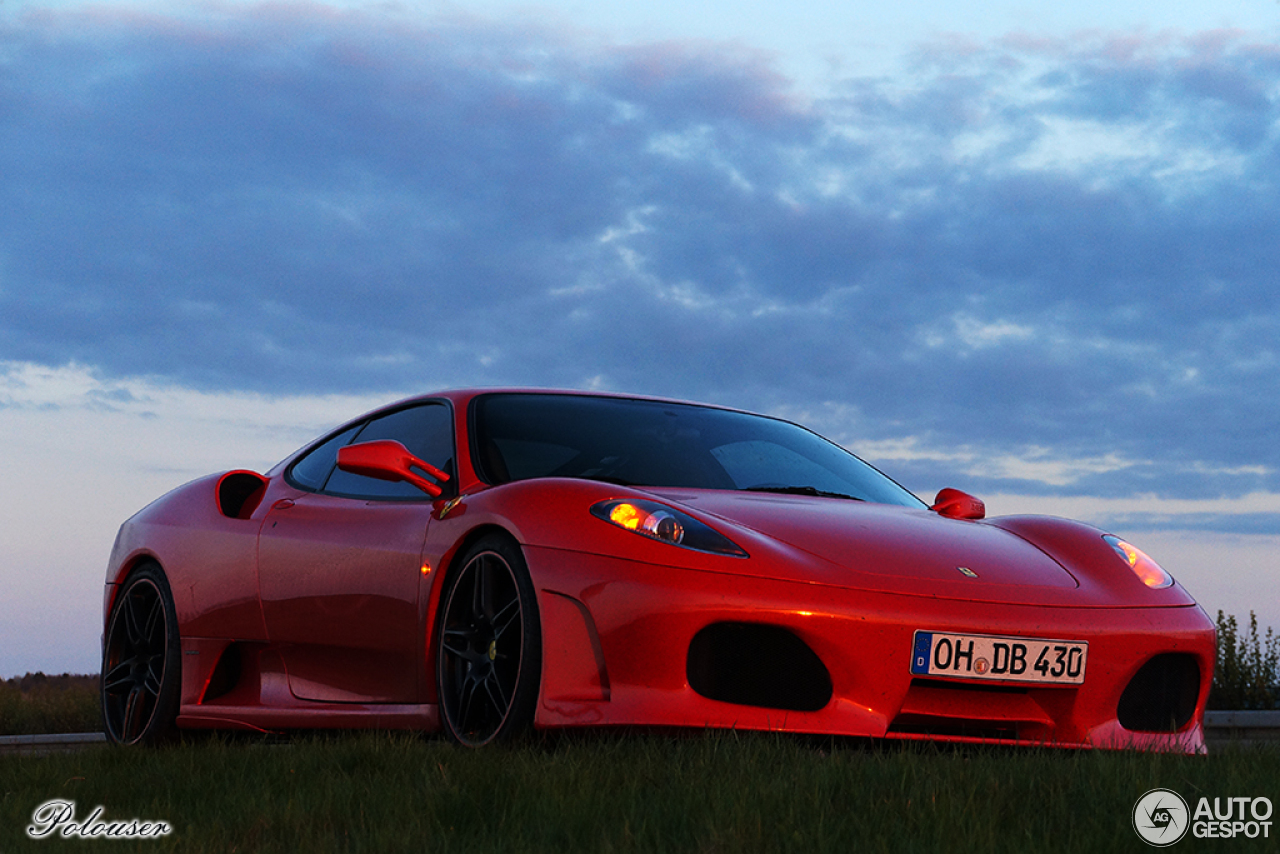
(1028, 252)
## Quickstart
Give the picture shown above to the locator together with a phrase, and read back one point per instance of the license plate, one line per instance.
(1001, 659)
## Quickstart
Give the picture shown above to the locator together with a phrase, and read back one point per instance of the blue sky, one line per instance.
(1029, 253)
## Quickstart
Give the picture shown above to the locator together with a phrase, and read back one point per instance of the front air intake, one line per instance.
(757, 665)
(1161, 696)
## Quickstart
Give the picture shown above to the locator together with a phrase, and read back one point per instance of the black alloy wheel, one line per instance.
(489, 645)
(141, 662)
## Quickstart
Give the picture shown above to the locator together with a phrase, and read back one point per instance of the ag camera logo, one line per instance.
(1160, 817)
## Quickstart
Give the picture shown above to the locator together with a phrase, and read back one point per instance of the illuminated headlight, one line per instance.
(666, 524)
(1143, 566)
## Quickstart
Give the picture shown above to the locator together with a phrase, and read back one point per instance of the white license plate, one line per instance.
(1002, 659)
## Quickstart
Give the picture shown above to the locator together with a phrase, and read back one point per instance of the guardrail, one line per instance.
(56, 743)
(1222, 728)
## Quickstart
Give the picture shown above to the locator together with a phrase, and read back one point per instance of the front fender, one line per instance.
(1105, 579)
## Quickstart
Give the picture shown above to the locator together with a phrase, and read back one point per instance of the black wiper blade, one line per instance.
(801, 490)
(604, 478)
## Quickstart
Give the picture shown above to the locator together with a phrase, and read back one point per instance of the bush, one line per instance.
(1247, 675)
(37, 703)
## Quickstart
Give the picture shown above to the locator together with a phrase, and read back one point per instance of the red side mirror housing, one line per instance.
(386, 459)
(955, 504)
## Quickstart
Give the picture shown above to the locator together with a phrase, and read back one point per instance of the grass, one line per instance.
(700, 792)
(37, 703)
(712, 792)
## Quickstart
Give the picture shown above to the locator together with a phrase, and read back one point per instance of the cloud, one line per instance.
(1054, 251)
(83, 452)
(86, 450)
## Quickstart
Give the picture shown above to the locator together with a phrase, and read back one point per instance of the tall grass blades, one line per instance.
(633, 792)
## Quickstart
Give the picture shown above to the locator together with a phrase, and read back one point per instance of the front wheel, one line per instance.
(489, 645)
(141, 662)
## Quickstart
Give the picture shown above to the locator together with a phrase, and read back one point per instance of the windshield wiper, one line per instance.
(604, 478)
(802, 490)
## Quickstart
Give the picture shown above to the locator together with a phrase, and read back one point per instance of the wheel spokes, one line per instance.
(480, 588)
(134, 714)
(135, 662)
(154, 675)
(120, 679)
(134, 636)
(457, 642)
(504, 619)
(154, 628)
(479, 655)
(465, 722)
(493, 687)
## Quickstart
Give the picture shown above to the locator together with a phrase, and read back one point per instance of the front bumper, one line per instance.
(617, 637)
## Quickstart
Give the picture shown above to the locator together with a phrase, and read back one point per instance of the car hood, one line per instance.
(885, 547)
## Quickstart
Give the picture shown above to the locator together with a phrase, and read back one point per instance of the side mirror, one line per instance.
(386, 459)
(955, 504)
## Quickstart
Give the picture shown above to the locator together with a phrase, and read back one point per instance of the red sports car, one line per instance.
(479, 562)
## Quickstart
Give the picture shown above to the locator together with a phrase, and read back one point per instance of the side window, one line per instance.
(312, 470)
(426, 430)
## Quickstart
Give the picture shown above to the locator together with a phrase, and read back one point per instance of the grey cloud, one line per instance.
(286, 201)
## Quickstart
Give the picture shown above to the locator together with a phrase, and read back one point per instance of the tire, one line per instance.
(489, 645)
(142, 662)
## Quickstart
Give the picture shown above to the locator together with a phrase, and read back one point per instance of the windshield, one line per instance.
(652, 443)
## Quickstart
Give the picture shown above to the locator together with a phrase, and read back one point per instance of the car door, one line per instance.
(340, 567)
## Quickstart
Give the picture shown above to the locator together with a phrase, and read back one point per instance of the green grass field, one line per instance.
(701, 792)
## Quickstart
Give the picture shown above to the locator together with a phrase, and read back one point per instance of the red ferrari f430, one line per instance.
(481, 562)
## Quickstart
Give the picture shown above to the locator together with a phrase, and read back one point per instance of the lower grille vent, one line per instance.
(757, 665)
(1161, 696)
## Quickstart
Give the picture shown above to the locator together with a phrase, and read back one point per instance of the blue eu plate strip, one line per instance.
(920, 657)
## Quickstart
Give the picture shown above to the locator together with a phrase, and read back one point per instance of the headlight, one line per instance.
(1141, 564)
(659, 522)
